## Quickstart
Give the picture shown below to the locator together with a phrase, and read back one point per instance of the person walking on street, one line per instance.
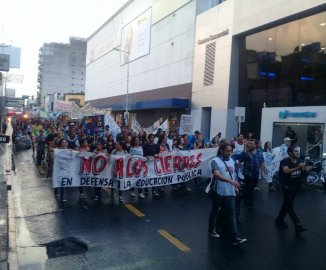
(40, 140)
(253, 164)
(223, 194)
(290, 177)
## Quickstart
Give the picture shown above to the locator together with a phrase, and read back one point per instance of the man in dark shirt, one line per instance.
(290, 178)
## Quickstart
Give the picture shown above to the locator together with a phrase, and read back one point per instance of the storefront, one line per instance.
(306, 124)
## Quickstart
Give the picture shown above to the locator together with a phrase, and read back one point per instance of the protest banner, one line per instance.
(93, 124)
(73, 169)
(61, 106)
(113, 126)
(186, 124)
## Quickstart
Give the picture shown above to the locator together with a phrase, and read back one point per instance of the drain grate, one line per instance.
(65, 247)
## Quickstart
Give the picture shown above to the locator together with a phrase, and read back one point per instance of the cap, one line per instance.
(197, 132)
(287, 139)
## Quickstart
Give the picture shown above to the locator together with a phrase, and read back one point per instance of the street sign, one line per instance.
(4, 138)
(14, 102)
(240, 114)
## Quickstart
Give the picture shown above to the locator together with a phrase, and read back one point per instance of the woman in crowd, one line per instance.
(83, 148)
(62, 144)
(120, 152)
(99, 148)
(136, 150)
(110, 145)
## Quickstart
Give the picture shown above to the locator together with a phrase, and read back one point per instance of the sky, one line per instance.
(29, 24)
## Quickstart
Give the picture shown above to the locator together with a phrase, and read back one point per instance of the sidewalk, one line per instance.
(5, 190)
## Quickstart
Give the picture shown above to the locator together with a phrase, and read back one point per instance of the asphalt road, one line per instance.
(171, 234)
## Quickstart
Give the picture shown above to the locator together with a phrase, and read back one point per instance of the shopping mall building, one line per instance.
(205, 58)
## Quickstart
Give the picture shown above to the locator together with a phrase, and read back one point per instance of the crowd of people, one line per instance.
(238, 166)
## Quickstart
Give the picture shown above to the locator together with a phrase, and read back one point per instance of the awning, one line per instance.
(169, 103)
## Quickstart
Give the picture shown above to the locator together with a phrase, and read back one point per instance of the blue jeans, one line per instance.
(223, 212)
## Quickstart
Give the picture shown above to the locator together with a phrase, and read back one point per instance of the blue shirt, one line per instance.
(251, 163)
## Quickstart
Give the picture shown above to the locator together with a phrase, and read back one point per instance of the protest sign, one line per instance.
(72, 169)
(61, 106)
(186, 124)
(113, 126)
(93, 124)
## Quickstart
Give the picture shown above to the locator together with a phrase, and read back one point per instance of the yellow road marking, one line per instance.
(134, 210)
(174, 241)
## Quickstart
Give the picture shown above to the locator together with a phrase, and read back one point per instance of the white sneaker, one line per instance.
(141, 196)
(121, 199)
(238, 241)
(132, 194)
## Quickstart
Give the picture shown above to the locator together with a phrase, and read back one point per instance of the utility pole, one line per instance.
(126, 114)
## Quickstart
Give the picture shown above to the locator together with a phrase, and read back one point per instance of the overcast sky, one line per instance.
(29, 24)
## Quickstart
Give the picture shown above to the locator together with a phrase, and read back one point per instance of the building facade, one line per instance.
(150, 72)
(206, 58)
(62, 68)
(256, 55)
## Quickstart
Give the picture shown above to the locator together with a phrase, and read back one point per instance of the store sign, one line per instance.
(285, 114)
(212, 37)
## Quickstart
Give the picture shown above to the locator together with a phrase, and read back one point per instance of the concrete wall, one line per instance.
(216, 95)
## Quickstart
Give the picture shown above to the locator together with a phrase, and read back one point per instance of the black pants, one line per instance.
(39, 157)
(288, 205)
(248, 192)
(223, 212)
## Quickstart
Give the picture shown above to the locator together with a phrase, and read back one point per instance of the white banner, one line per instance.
(153, 128)
(73, 169)
(272, 161)
(61, 106)
(135, 126)
(186, 124)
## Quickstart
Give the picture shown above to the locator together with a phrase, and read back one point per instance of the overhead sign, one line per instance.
(14, 102)
(186, 124)
(4, 62)
(14, 53)
(240, 114)
(4, 138)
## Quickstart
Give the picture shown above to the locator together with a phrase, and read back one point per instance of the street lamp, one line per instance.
(126, 114)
